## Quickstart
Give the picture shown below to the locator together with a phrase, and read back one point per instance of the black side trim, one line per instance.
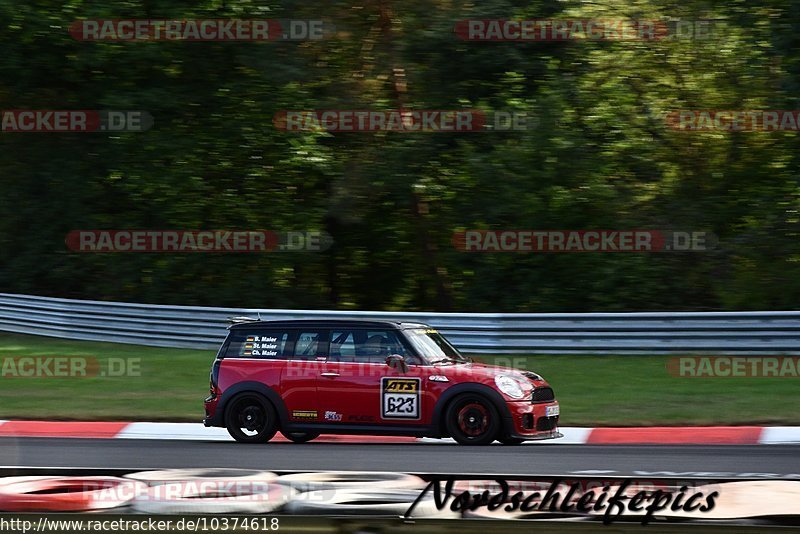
(371, 430)
(241, 387)
(471, 387)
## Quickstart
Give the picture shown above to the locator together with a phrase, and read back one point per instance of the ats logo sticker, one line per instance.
(400, 398)
(404, 385)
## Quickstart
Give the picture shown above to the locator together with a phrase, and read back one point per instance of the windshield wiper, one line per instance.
(443, 360)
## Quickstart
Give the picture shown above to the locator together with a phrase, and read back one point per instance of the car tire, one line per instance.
(250, 412)
(472, 419)
(510, 441)
(300, 437)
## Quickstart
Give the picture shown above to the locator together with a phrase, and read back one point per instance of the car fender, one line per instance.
(255, 387)
(471, 387)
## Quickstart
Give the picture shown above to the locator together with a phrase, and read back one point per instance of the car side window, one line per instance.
(267, 344)
(310, 345)
(343, 346)
(374, 346)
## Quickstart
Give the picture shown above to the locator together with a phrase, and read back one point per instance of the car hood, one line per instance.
(483, 373)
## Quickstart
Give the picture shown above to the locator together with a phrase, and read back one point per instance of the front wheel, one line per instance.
(300, 437)
(472, 419)
(250, 418)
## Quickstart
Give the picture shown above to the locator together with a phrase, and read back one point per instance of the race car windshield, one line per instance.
(432, 346)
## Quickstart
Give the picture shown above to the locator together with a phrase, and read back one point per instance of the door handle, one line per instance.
(330, 375)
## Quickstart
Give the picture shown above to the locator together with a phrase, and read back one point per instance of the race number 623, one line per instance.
(400, 398)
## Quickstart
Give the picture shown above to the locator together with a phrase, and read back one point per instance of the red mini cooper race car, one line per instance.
(305, 378)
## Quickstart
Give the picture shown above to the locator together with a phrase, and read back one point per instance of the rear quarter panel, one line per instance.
(235, 370)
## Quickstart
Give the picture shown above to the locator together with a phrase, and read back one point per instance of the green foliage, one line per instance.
(600, 157)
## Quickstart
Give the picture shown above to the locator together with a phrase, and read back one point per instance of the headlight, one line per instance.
(509, 386)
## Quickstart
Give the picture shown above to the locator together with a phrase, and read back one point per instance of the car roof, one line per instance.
(328, 323)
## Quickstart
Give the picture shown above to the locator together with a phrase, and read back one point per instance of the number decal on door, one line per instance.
(400, 398)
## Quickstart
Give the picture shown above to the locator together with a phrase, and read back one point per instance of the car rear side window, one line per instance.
(343, 347)
(267, 344)
(310, 345)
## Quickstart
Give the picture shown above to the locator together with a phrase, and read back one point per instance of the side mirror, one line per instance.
(395, 361)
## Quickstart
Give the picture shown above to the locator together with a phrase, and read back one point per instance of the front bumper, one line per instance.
(539, 437)
(531, 421)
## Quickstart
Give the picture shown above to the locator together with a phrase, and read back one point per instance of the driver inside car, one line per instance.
(376, 348)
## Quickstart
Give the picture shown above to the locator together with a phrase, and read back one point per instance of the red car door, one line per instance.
(300, 375)
(356, 386)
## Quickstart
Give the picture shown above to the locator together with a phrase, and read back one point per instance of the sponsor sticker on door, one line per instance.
(400, 398)
(304, 414)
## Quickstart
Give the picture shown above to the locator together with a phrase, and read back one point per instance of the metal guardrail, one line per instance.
(474, 333)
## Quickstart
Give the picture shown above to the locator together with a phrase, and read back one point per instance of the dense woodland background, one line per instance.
(601, 157)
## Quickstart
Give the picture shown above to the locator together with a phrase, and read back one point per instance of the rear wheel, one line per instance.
(300, 437)
(472, 419)
(250, 418)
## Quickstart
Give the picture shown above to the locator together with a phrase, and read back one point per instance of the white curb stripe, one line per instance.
(197, 432)
(180, 431)
(572, 436)
(779, 434)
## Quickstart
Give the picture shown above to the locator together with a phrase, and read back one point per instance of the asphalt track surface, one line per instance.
(728, 461)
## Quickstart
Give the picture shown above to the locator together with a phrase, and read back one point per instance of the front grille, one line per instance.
(547, 423)
(543, 395)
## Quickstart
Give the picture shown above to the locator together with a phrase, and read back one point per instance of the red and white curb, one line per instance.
(721, 435)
